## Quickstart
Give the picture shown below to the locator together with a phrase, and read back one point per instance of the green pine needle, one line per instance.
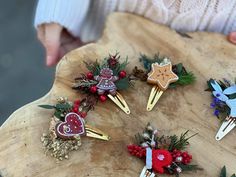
(189, 167)
(185, 79)
(181, 142)
(120, 66)
(147, 62)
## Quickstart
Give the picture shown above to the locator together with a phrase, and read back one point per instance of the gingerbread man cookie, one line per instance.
(106, 81)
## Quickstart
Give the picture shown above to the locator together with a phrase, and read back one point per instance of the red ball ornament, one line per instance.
(93, 89)
(122, 74)
(103, 98)
(90, 75)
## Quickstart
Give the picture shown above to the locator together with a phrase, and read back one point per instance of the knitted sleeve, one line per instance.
(68, 13)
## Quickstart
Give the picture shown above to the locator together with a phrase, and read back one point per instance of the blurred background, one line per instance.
(23, 74)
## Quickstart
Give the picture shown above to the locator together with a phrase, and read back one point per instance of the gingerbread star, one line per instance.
(162, 75)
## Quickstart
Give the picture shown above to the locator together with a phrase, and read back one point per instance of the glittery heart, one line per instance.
(72, 126)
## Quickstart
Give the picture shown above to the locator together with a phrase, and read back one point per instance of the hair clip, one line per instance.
(160, 73)
(68, 125)
(105, 79)
(162, 154)
(224, 103)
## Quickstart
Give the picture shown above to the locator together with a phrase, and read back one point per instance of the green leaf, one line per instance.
(122, 84)
(57, 114)
(179, 68)
(233, 175)
(223, 172)
(46, 106)
(63, 106)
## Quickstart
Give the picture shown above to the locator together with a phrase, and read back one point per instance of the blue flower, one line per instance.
(216, 112)
(213, 105)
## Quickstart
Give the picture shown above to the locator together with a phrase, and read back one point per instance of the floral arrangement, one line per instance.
(184, 77)
(104, 78)
(223, 97)
(169, 150)
(66, 127)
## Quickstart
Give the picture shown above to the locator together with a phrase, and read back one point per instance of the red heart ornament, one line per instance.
(72, 126)
(160, 158)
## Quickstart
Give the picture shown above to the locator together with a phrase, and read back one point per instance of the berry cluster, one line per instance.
(136, 150)
(75, 109)
(181, 157)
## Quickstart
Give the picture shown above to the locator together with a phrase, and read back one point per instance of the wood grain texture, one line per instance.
(206, 54)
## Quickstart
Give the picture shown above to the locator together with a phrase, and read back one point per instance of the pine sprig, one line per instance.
(180, 143)
(147, 61)
(189, 167)
(83, 82)
(94, 67)
(120, 66)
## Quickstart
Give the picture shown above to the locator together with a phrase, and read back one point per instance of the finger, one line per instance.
(41, 33)
(52, 43)
(232, 37)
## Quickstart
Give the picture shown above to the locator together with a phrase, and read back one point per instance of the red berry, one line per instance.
(90, 75)
(83, 114)
(122, 74)
(75, 109)
(76, 102)
(93, 89)
(103, 98)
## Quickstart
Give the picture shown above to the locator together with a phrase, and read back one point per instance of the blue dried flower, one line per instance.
(213, 105)
(216, 112)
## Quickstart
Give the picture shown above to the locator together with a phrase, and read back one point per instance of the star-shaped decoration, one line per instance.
(162, 75)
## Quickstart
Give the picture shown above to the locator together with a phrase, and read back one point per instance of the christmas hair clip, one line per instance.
(105, 79)
(68, 125)
(160, 73)
(162, 154)
(224, 103)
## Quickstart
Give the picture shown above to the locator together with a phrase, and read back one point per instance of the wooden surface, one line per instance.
(207, 55)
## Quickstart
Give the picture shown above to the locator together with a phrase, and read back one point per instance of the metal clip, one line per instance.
(95, 133)
(146, 173)
(154, 96)
(120, 102)
(226, 127)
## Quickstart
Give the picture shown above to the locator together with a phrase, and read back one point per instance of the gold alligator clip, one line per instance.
(120, 102)
(161, 76)
(95, 133)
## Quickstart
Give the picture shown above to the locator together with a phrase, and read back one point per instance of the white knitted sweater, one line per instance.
(85, 18)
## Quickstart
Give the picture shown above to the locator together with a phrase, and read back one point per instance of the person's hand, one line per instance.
(56, 41)
(232, 37)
